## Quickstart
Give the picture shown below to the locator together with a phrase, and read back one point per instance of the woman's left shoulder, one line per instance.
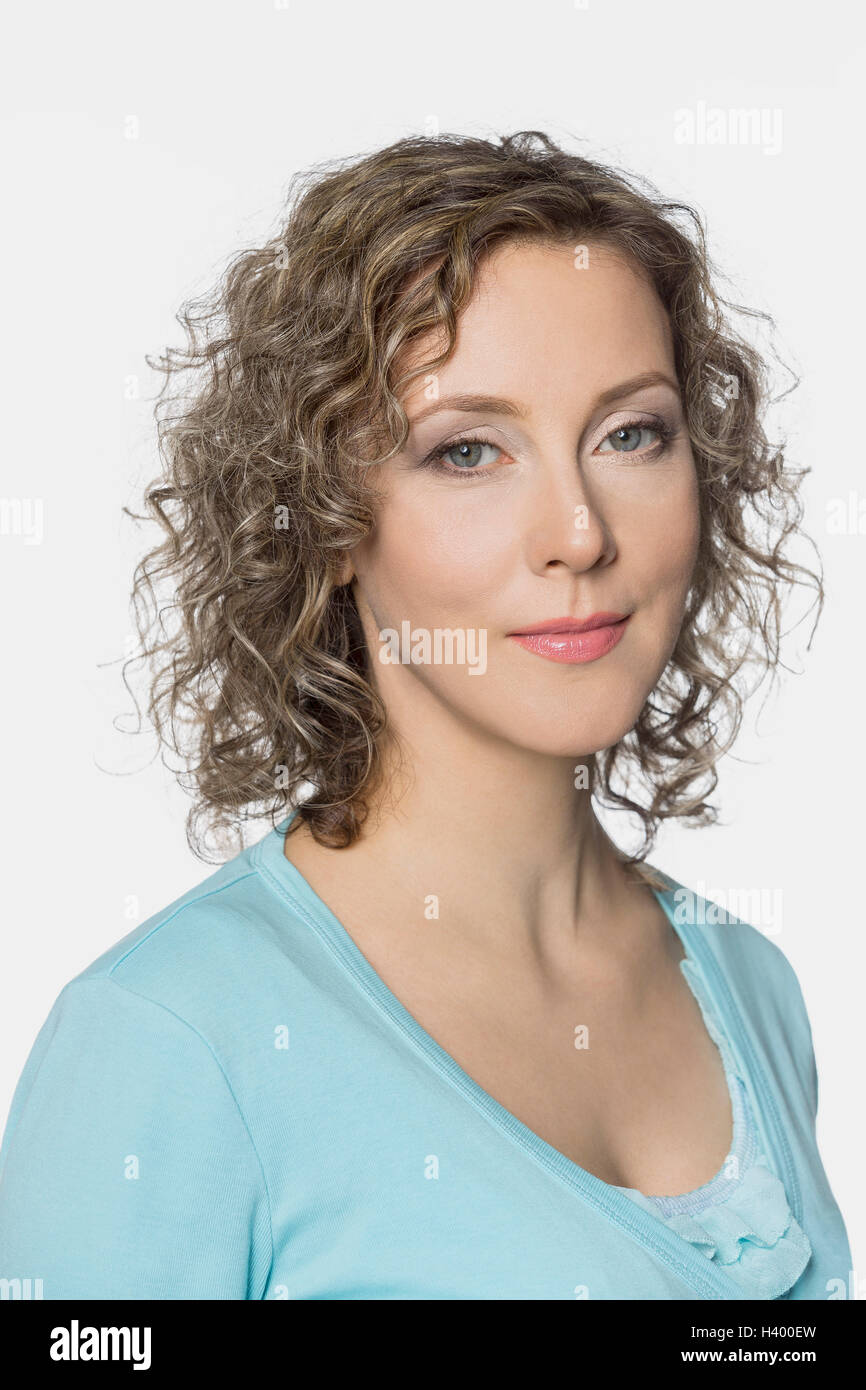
(739, 927)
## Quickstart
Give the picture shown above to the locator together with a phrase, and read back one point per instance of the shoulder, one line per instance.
(172, 1004)
(200, 942)
(726, 920)
(141, 992)
(206, 968)
(750, 966)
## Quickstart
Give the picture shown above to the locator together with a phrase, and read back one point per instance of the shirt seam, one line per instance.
(158, 1004)
(191, 902)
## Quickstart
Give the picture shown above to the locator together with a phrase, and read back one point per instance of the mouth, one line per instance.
(570, 640)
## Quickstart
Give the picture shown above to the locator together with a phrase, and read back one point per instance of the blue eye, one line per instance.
(463, 459)
(468, 453)
(627, 439)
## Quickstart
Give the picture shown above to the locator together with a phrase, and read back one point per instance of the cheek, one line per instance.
(666, 556)
(662, 535)
(426, 558)
(663, 547)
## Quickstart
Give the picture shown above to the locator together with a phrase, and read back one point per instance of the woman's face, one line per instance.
(568, 492)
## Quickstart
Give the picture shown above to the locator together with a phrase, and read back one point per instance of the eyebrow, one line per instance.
(500, 405)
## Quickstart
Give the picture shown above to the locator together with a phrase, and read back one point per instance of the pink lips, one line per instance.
(571, 641)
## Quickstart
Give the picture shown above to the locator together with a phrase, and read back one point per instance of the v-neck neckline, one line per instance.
(707, 1278)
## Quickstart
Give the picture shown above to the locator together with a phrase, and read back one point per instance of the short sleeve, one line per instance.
(126, 1169)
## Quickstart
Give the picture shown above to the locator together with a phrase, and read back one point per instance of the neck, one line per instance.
(500, 834)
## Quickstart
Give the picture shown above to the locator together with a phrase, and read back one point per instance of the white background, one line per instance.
(142, 145)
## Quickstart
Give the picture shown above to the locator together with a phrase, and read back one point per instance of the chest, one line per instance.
(392, 1174)
(633, 1092)
(639, 1103)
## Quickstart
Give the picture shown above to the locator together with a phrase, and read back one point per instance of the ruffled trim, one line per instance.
(745, 1223)
(752, 1234)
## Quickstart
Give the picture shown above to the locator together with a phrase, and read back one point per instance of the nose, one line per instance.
(564, 526)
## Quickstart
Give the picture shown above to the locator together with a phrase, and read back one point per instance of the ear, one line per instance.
(345, 573)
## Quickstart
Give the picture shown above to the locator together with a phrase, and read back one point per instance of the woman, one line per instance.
(471, 525)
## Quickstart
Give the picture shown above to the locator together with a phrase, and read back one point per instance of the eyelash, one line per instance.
(432, 460)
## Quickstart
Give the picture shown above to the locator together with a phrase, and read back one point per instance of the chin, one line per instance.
(576, 740)
(568, 732)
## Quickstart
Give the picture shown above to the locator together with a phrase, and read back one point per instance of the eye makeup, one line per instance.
(655, 424)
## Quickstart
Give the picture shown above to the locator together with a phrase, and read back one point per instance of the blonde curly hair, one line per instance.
(261, 680)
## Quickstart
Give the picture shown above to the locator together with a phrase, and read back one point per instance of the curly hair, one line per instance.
(261, 682)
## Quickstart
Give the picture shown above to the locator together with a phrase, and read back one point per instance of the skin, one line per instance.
(541, 929)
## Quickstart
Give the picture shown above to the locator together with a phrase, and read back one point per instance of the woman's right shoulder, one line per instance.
(203, 955)
(180, 995)
(180, 934)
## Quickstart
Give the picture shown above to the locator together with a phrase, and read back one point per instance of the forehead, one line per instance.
(541, 318)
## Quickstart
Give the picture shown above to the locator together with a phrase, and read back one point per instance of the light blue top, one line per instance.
(230, 1103)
